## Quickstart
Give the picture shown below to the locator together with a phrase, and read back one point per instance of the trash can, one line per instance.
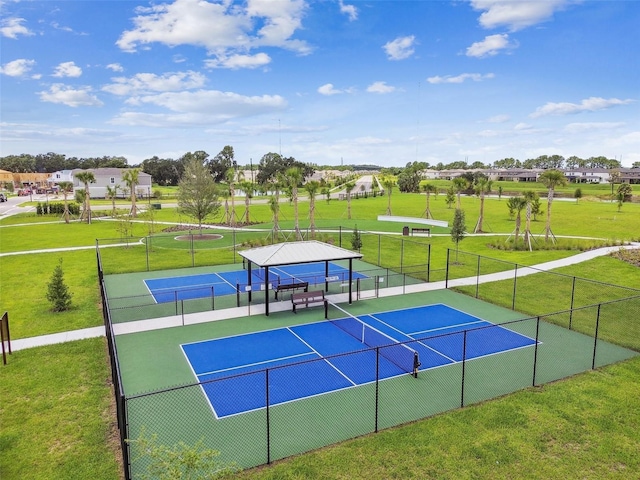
(405, 231)
(156, 206)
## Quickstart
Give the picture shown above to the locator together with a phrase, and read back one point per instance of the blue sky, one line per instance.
(327, 82)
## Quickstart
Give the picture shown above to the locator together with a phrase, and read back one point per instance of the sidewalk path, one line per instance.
(144, 325)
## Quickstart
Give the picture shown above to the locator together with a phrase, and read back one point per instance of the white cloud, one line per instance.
(591, 126)
(144, 83)
(380, 87)
(476, 77)
(17, 68)
(67, 69)
(236, 62)
(115, 67)
(499, 118)
(215, 102)
(238, 29)
(400, 48)
(200, 107)
(328, 89)
(516, 15)
(12, 27)
(491, 45)
(71, 97)
(590, 104)
(350, 10)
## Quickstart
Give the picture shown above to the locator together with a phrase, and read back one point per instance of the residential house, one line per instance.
(112, 177)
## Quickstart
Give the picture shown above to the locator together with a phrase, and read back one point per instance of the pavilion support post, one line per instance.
(326, 275)
(350, 280)
(249, 278)
(266, 291)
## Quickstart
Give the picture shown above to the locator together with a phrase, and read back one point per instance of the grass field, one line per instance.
(58, 423)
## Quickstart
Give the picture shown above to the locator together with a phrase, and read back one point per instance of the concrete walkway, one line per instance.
(195, 318)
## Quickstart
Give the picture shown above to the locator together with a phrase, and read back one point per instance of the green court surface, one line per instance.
(153, 360)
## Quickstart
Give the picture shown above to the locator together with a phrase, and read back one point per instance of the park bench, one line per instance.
(281, 287)
(307, 299)
(421, 230)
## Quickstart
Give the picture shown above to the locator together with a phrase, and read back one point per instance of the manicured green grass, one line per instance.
(56, 421)
(57, 414)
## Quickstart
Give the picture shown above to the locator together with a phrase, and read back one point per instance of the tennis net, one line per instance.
(398, 353)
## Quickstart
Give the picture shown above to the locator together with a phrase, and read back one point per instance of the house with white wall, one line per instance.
(111, 177)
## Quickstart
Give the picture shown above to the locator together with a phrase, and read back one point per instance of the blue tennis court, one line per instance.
(312, 359)
(206, 285)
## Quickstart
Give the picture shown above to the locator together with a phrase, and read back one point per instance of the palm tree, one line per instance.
(516, 204)
(428, 188)
(388, 183)
(112, 193)
(551, 179)
(226, 193)
(459, 185)
(312, 187)
(86, 177)
(248, 189)
(130, 178)
(294, 176)
(349, 186)
(66, 188)
(230, 178)
(530, 196)
(274, 206)
(483, 185)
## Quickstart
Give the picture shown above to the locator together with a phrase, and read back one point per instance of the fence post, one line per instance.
(193, 255)
(515, 282)
(340, 236)
(377, 387)
(379, 247)
(464, 358)
(446, 274)
(573, 289)
(595, 338)
(124, 434)
(146, 247)
(175, 300)
(213, 298)
(535, 352)
(234, 245)
(266, 382)
(428, 262)
(478, 277)
(182, 310)
(401, 254)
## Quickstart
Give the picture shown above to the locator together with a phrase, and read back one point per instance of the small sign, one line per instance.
(247, 288)
(335, 278)
(381, 280)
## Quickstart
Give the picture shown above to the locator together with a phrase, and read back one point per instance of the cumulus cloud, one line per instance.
(380, 87)
(350, 10)
(201, 106)
(143, 83)
(502, 118)
(238, 28)
(590, 104)
(236, 62)
(115, 67)
(400, 48)
(67, 69)
(328, 89)
(71, 97)
(17, 68)
(490, 46)
(12, 27)
(516, 15)
(476, 77)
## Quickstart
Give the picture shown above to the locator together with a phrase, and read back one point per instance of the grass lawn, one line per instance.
(57, 420)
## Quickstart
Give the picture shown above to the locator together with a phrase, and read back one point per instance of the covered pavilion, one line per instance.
(295, 253)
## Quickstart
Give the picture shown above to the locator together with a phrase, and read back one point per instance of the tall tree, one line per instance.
(348, 187)
(131, 180)
(230, 178)
(458, 229)
(221, 163)
(482, 187)
(551, 179)
(66, 188)
(86, 177)
(530, 197)
(516, 205)
(388, 182)
(312, 187)
(428, 189)
(294, 177)
(112, 194)
(248, 188)
(197, 192)
(459, 184)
